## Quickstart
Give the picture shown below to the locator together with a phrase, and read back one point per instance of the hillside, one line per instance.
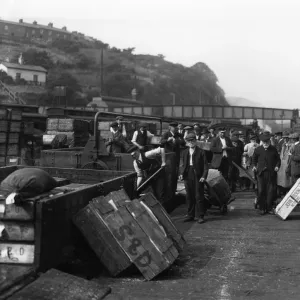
(239, 101)
(78, 65)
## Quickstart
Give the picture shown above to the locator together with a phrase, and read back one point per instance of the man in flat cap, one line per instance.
(116, 142)
(141, 136)
(197, 131)
(212, 134)
(194, 174)
(188, 129)
(221, 147)
(278, 139)
(266, 162)
(172, 141)
(295, 158)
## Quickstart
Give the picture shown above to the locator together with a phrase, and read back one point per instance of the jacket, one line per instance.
(266, 160)
(295, 160)
(199, 163)
(172, 146)
(216, 148)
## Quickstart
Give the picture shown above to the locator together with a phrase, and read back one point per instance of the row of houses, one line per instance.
(29, 31)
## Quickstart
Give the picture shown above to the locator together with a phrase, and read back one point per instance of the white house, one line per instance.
(32, 74)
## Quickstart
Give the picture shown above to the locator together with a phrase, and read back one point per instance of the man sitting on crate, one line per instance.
(194, 174)
(266, 162)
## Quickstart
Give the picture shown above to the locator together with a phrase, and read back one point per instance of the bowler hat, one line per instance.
(234, 139)
(252, 137)
(265, 136)
(173, 124)
(114, 124)
(190, 137)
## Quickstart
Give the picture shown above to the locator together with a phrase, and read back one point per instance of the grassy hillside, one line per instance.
(154, 78)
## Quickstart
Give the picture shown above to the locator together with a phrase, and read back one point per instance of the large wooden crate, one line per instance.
(15, 126)
(122, 232)
(13, 150)
(289, 202)
(16, 115)
(74, 125)
(3, 125)
(58, 285)
(3, 137)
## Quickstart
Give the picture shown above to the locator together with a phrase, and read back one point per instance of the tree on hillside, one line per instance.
(36, 58)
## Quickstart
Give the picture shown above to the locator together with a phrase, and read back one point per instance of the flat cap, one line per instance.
(119, 118)
(173, 124)
(196, 124)
(190, 137)
(252, 137)
(222, 129)
(114, 124)
(286, 134)
(234, 138)
(204, 131)
(278, 133)
(188, 127)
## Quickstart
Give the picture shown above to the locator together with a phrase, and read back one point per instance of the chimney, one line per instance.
(35, 23)
(21, 21)
(50, 25)
(64, 28)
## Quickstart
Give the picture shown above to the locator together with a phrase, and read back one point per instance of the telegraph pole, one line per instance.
(101, 73)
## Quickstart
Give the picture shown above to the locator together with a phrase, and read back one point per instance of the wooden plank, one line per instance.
(16, 253)
(11, 275)
(57, 285)
(244, 173)
(24, 212)
(17, 231)
(136, 244)
(164, 219)
(101, 240)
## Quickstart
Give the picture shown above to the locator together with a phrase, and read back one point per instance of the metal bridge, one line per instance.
(195, 112)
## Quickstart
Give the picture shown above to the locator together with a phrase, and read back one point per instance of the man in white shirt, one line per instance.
(141, 136)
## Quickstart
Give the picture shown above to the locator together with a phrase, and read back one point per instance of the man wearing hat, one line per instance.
(295, 158)
(197, 131)
(187, 129)
(221, 148)
(204, 135)
(278, 139)
(266, 162)
(141, 136)
(236, 156)
(172, 141)
(194, 174)
(121, 126)
(115, 143)
(212, 134)
(181, 129)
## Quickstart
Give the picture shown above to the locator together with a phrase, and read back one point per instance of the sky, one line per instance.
(253, 46)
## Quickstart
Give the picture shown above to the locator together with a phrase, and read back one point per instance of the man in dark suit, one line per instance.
(212, 134)
(295, 158)
(194, 174)
(266, 162)
(278, 141)
(172, 141)
(221, 148)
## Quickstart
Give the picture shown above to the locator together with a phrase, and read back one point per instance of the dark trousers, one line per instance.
(194, 194)
(233, 177)
(267, 190)
(224, 167)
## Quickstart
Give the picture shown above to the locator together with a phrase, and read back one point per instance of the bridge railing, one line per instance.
(209, 111)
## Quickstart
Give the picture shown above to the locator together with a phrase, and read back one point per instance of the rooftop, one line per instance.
(31, 25)
(23, 67)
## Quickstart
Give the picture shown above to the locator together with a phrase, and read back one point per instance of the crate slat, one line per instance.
(16, 253)
(17, 231)
(24, 212)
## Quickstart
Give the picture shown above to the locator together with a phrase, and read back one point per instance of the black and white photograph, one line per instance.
(149, 150)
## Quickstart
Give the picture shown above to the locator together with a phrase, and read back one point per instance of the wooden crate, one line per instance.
(57, 285)
(13, 138)
(15, 126)
(52, 124)
(72, 125)
(3, 114)
(3, 137)
(17, 212)
(3, 125)
(136, 237)
(13, 150)
(164, 219)
(16, 115)
(285, 207)
(101, 240)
